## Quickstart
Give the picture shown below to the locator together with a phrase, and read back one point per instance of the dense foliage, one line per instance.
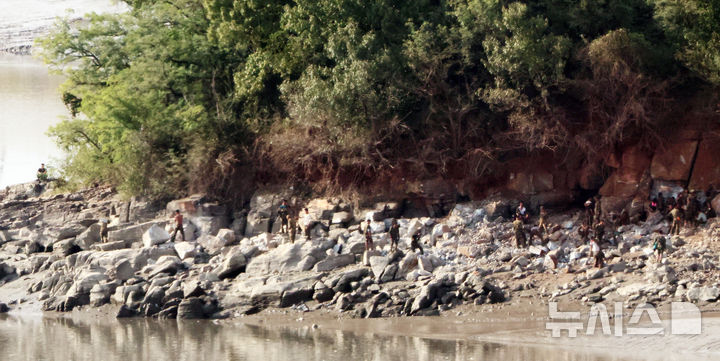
(220, 95)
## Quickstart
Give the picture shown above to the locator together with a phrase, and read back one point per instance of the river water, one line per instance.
(53, 338)
(29, 105)
(29, 99)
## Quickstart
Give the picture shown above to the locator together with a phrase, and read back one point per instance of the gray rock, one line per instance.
(407, 264)
(90, 236)
(131, 233)
(186, 249)
(425, 264)
(190, 308)
(66, 247)
(155, 235)
(378, 264)
(333, 262)
(209, 225)
(235, 263)
(389, 273)
(165, 264)
(285, 258)
(125, 312)
(70, 231)
(307, 263)
(708, 294)
(109, 246)
(427, 295)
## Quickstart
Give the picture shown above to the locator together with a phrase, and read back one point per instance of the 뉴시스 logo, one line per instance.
(685, 319)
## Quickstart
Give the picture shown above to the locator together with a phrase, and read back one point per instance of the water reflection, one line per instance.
(40, 338)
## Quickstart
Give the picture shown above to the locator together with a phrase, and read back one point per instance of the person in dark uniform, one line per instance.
(415, 242)
(519, 228)
(283, 211)
(394, 235)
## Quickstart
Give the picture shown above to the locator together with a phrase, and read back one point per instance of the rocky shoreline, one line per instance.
(51, 258)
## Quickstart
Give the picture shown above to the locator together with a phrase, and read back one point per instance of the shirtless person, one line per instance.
(178, 226)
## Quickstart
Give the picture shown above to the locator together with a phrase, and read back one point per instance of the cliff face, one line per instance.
(625, 179)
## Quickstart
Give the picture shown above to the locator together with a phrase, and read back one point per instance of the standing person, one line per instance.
(104, 230)
(542, 226)
(283, 211)
(661, 203)
(42, 173)
(521, 212)
(520, 239)
(415, 242)
(307, 222)
(589, 212)
(394, 235)
(178, 226)
(597, 253)
(368, 237)
(584, 232)
(691, 210)
(598, 210)
(292, 220)
(659, 247)
(676, 217)
(599, 230)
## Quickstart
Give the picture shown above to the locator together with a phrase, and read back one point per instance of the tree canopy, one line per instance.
(220, 95)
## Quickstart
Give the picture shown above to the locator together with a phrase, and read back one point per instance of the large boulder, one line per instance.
(333, 262)
(234, 263)
(70, 231)
(190, 308)
(186, 249)
(706, 170)
(90, 236)
(226, 235)
(256, 224)
(155, 235)
(6, 270)
(285, 258)
(211, 243)
(209, 225)
(66, 247)
(378, 264)
(674, 162)
(625, 181)
(131, 233)
(189, 205)
(707, 294)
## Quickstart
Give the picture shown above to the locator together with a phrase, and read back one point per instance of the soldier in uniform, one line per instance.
(394, 235)
(584, 232)
(589, 212)
(283, 211)
(542, 225)
(598, 210)
(292, 226)
(676, 217)
(415, 242)
(520, 239)
(599, 230)
(659, 247)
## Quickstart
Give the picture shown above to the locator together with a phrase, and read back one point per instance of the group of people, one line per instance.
(593, 230)
(683, 210)
(290, 224)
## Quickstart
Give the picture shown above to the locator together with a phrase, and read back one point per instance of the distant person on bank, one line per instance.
(42, 173)
(307, 222)
(178, 226)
